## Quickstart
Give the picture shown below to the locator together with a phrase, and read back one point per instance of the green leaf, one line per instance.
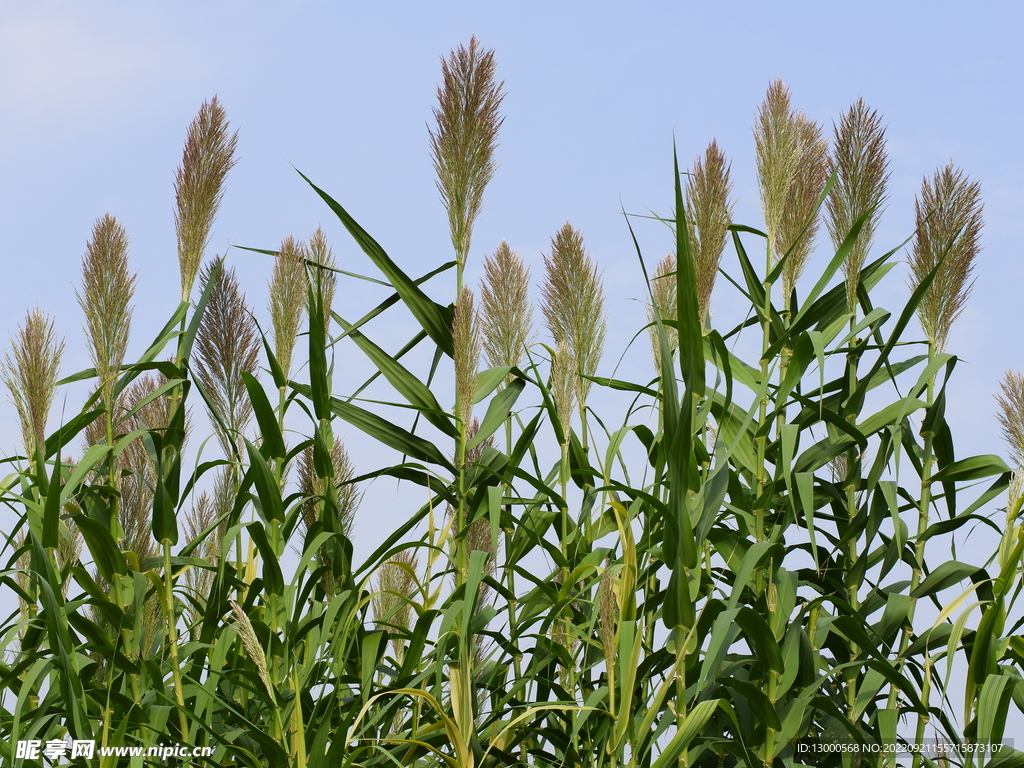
(690, 326)
(489, 380)
(268, 490)
(993, 704)
(974, 468)
(410, 387)
(946, 575)
(104, 550)
(434, 319)
(270, 430)
(497, 411)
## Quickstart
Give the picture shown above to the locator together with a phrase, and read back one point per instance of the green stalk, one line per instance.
(919, 545)
(762, 440)
(172, 641)
(513, 625)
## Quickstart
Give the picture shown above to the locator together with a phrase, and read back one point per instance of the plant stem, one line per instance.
(172, 641)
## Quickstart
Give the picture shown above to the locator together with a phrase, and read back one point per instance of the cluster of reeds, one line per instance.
(731, 570)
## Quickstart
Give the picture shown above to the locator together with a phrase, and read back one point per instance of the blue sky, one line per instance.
(96, 97)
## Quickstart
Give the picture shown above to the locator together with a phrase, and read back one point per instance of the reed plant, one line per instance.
(752, 562)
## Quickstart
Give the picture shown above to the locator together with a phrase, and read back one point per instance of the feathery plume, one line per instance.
(327, 280)
(792, 165)
(396, 586)
(1011, 413)
(710, 214)
(463, 146)
(288, 294)
(573, 304)
(777, 150)
(802, 218)
(311, 487)
(69, 543)
(466, 333)
(199, 186)
(31, 376)
(506, 315)
(948, 227)
(251, 642)
(564, 385)
(227, 345)
(860, 164)
(107, 289)
(663, 306)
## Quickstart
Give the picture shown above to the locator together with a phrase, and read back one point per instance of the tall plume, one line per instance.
(573, 304)
(325, 279)
(31, 376)
(802, 218)
(792, 164)
(663, 306)
(710, 214)
(506, 314)
(1011, 419)
(288, 295)
(948, 228)
(564, 386)
(1011, 413)
(227, 345)
(468, 119)
(396, 587)
(107, 289)
(465, 330)
(860, 164)
(199, 186)
(312, 487)
(777, 155)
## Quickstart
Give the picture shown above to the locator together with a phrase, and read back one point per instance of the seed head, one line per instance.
(664, 307)
(860, 164)
(320, 252)
(463, 145)
(948, 228)
(227, 345)
(777, 157)
(564, 385)
(396, 587)
(467, 355)
(792, 164)
(107, 289)
(710, 214)
(312, 487)
(573, 304)
(288, 295)
(137, 473)
(251, 642)
(801, 219)
(31, 376)
(1011, 413)
(506, 314)
(607, 610)
(199, 186)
